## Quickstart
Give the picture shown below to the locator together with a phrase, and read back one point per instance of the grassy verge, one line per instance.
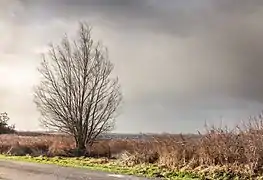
(144, 170)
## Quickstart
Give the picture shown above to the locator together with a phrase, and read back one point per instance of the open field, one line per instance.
(218, 154)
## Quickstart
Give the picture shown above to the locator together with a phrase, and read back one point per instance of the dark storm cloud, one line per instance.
(186, 55)
(169, 16)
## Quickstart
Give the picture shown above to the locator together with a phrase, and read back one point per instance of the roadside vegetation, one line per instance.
(217, 154)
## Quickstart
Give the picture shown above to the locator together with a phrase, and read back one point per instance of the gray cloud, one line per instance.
(177, 59)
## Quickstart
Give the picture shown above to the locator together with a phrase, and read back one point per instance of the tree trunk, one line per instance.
(80, 146)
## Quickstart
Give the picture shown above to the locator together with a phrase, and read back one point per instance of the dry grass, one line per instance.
(239, 151)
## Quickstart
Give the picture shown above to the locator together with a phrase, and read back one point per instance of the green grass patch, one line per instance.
(144, 170)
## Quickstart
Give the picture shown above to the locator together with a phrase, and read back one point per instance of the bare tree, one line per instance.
(4, 127)
(77, 94)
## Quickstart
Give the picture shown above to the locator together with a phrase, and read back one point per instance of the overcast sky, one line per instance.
(180, 62)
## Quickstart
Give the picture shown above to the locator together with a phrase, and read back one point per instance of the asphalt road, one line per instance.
(14, 170)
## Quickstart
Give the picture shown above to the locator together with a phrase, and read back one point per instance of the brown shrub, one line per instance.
(19, 150)
(100, 149)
